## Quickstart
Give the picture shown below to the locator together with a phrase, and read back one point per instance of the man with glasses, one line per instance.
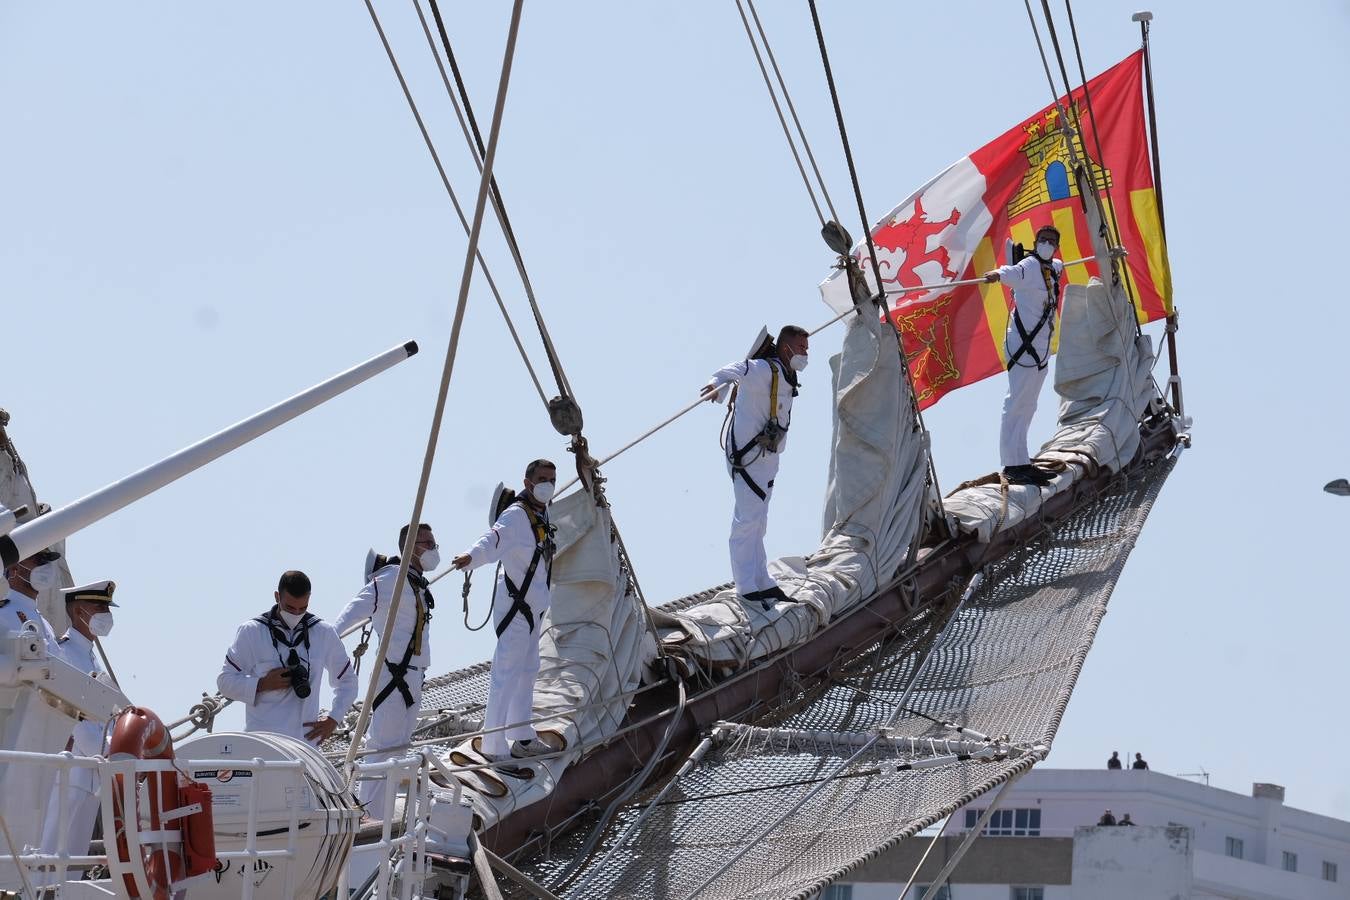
(277, 662)
(522, 541)
(398, 693)
(1035, 283)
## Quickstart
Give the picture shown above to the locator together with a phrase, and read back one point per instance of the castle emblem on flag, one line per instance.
(1049, 176)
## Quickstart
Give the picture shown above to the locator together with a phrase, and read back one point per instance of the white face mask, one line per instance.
(100, 624)
(430, 559)
(290, 618)
(798, 362)
(1045, 249)
(543, 491)
(42, 577)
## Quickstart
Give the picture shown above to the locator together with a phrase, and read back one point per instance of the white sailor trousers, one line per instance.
(1019, 406)
(749, 522)
(81, 803)
(391, 725)
(515, 665)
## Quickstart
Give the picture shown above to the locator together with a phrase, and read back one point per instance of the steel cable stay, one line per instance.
(477, 151)
(466, 278)
(454, 201)
(1071, 127)
(879, 298)
(778, 109)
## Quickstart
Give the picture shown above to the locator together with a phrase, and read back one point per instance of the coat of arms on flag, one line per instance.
(955, 228)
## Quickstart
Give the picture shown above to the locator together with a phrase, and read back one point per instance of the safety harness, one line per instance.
(1047, 318)
(768, 440)
(544, 548)
(398, 671)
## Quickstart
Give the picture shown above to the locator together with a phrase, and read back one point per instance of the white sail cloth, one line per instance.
(1102, 374)
(873, 509)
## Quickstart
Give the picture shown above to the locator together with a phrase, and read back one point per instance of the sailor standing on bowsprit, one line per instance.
(761, 411)
(398, 697)
(521, 539)
(1035, 283)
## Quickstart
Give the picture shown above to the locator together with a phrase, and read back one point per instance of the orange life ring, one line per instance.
(139, 733)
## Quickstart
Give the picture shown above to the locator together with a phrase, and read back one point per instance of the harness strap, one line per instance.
(1047, 316)
(544, 548)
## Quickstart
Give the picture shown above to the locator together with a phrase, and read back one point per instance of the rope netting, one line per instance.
(834, 775)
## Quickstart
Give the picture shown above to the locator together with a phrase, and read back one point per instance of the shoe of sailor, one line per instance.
(528, 748)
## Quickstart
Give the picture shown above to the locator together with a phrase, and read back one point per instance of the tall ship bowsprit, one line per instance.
(730, 743)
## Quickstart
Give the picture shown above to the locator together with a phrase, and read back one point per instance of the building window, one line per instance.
(944, 892)
(838, 892)
(1290, 861)
(1233, 847)
(1028, 893)
(1008, 822)
(1328, 871)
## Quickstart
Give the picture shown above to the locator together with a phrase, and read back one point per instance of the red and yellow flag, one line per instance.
(956, 227)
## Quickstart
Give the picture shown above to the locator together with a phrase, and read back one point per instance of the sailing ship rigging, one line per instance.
(886, 694)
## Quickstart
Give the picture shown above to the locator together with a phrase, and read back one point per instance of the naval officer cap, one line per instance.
(97, 592)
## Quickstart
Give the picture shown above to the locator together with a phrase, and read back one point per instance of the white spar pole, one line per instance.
(59, 524)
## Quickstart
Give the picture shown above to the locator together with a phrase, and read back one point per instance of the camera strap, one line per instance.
(276, 630)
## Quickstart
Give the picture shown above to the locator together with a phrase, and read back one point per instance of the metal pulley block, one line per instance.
(565, 415)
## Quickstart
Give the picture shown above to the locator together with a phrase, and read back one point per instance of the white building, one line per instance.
(1190, 841)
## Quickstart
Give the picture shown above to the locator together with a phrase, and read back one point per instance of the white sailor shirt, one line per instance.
(253, 655)
(754, 380)
(512, 541)
(16, 609)
(1029, 299)
(78, 650)
(373, 603)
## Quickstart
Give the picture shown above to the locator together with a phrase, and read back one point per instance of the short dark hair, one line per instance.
(791, 331)
(294, 583)
(403, 533)
(538, 464)
(1044, 228)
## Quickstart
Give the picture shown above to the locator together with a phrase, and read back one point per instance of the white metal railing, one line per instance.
(402, 858)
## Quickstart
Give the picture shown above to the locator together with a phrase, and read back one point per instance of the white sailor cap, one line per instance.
(95, 592)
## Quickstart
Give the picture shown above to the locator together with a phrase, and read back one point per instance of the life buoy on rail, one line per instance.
(166, 857)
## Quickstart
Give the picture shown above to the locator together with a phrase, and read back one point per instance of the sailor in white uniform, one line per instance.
(90, 610)
(521, 539)
(1035, 283)
(760, 417)
(277, 662)
(398, 697)
(27, 578)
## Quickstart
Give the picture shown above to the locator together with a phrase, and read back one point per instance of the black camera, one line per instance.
(298, 673)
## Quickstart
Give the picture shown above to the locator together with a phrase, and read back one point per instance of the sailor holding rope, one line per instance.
(521, 539)
(761, 411)
(1035, 283)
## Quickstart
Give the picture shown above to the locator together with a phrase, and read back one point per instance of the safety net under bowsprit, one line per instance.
(838, 773)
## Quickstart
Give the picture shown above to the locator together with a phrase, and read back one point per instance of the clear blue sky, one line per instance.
(206, 209)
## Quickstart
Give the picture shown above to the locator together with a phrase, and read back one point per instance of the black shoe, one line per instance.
(776, 593)
(1027, 475)
(761, 596)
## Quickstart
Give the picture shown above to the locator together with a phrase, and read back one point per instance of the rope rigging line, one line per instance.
(1096, 136)
(454, 201)
(1108, 221)
(466, 277)
(778, 109)
(476, 147)
(879, 299)
(801, 132)
(1073, 127)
